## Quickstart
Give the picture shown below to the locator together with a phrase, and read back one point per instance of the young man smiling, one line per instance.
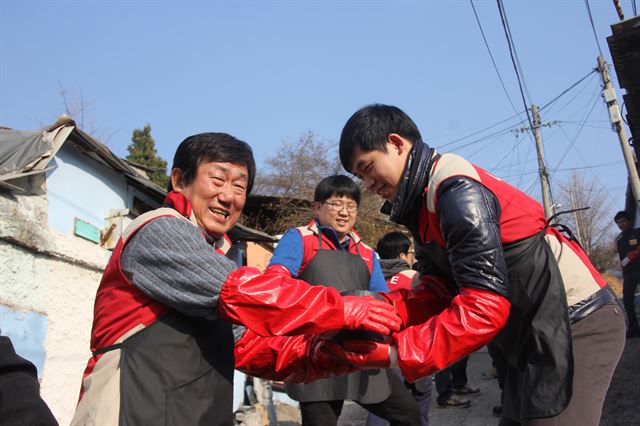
(499, 271)
(162, 339)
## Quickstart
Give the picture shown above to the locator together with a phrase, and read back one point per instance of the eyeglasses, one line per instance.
(337, 207)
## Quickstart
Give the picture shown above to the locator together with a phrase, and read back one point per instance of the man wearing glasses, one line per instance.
(328, 251)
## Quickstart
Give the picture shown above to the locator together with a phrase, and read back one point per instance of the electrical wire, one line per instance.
(479, 131)
(572, 99)
(514, 60)
(495, 67)
(510, 128)
(593, 27)
(593, 71)
(575, 137)
(570, 169)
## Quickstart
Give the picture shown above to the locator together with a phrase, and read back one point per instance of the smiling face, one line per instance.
(340, 213)
(381, 171)
(217, 195)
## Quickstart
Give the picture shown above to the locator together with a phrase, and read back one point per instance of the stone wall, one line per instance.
(55, 275)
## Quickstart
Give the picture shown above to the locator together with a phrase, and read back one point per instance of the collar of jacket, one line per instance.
(180, 203)
(315, 227)
(406, 205)
(390, 267)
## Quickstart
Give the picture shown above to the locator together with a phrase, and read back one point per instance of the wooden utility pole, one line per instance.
(609, 96)
(542, 169)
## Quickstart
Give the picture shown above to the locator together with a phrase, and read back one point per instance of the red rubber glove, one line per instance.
(470, 322)
(274, 304)
(362, 354)
(368, 313)
(294, 359)
(420, 303)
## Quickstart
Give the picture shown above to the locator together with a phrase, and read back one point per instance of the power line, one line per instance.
(575, 137)
(495, 67)
(568, 169)
(593, 71)
(593, 27)
(571, 100)
(475, 141)
(514, 60)
(505, 130)
(479, 131)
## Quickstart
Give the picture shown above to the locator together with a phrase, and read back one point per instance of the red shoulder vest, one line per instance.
(119, 305)
(521, 216)
(311, 245)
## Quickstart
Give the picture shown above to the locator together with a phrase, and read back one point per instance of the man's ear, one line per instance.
(316, 206)
(399, 143)
(176, 179)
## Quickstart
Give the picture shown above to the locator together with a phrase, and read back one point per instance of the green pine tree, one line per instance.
(142, 150)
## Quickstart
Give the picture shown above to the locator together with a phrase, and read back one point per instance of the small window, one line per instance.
(139, 207)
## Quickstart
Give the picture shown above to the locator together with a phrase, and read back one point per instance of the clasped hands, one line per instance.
(364, 313)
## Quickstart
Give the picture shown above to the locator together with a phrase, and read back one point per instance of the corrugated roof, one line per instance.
(624, 45)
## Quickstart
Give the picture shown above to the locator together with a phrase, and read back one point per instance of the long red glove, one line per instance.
(367, 313)
(295, 359)
(274, 303)
(362, 354)
(472, 320)
(425, 300)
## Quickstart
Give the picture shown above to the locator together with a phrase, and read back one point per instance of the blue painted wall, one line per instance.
(82, 187)
(27, 331)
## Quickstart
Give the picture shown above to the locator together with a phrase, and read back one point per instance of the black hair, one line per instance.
(369, 127)
(338, 185)
(623, 215)
(208, 147)
(392, 244)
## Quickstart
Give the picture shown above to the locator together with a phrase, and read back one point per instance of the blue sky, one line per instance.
(267, 71)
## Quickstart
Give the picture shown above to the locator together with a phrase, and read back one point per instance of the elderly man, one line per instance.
(162, 338)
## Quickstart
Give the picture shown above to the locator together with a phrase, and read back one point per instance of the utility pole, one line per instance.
(609, 96)
(542, 169)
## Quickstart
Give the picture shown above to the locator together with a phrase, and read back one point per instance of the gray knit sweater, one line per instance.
(170, 261)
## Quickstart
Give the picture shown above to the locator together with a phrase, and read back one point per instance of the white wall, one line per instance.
(55, 275)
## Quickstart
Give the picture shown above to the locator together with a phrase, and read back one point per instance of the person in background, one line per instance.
(451, 384)
(162, 339)
(628, 245)
(500, 273)
(397, 257)
(328, 250)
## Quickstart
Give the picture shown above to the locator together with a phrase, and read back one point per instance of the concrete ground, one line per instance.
(621, 406)
(480, 412)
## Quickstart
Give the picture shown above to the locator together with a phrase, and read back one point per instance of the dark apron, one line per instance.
(343, 271)
(536, 340)
(177, 371)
